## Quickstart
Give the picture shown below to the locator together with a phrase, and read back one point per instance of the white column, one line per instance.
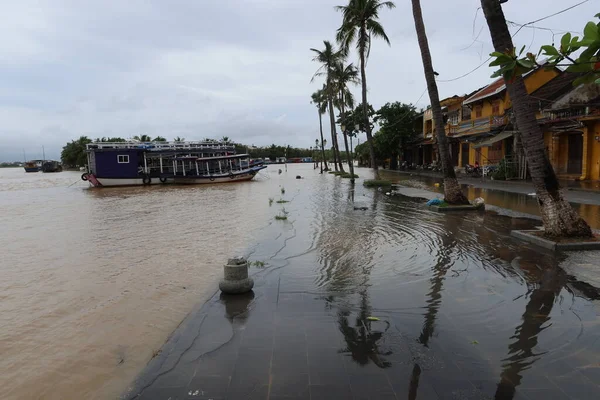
(220, 171)
(183, 166)
(196, 162)
(161, 166)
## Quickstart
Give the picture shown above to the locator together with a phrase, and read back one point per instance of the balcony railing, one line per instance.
(571, 113)
(481, 124)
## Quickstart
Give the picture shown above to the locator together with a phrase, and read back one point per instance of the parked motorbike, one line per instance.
(473, 171)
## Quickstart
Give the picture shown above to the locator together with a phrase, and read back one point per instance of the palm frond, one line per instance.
(376, 30)
(387, 4)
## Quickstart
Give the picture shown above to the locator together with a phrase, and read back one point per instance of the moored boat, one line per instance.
(51, 166)
(135, 163)
(33, 166)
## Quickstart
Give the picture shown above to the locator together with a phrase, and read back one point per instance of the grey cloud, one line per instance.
(239, 68)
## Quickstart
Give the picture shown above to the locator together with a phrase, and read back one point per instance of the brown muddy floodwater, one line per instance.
(93, 281)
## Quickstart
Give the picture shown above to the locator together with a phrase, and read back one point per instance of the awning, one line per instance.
(487, 142)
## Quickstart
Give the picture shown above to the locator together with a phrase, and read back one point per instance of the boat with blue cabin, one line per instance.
(33, 165)
(152, 163)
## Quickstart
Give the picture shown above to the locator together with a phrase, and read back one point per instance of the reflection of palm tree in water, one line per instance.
(434, 301)
(521, 353)
(361, 339)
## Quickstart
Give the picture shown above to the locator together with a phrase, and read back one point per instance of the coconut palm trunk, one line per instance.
(452, 191)
(559, 218)
(348, 155)
(365, 104)
(336, 147)
(323, 161)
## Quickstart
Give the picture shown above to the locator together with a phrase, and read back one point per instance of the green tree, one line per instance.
(159, 139)
(588, 62)
(73, 153)
(360, 23)
(452, 191)
(396, 121)
(343, 75)
(328, 57)
(179, 139)
(559, 218)
(143, 138)
(319, 99)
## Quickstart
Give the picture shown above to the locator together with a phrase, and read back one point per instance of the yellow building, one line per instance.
(451, 107)
(485, 130)
(570, 120)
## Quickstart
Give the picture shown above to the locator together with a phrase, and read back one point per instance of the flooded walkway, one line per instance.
(515, 196)
(392, 302)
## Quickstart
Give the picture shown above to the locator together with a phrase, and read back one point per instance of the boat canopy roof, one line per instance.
(192, 158)
(160, 146)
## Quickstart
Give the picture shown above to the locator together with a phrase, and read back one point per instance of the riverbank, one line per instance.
(385, 303)
(575, 191)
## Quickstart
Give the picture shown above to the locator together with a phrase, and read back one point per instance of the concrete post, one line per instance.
(236, 278)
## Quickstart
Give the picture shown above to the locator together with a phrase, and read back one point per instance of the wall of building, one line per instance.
(594, 151)
(533, 82)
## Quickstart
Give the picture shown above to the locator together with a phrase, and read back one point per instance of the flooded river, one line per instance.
(92, 282)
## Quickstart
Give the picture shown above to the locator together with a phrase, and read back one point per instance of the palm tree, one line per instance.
(558, 216)
(452, 192)
(319, 99)
(159, 139)
(179, 139)
(344, 75)
(225, 139)
(328, 57)
(143, 138)
(360, 23)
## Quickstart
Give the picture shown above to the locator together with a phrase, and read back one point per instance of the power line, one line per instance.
(513, 35)
(464, 75)
(551, 15)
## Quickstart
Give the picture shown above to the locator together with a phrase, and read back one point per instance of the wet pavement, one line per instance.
(583, 192)
(518, 197)
(393, 302)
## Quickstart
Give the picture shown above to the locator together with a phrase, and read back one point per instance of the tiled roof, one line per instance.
(493, 88)
(554, 89)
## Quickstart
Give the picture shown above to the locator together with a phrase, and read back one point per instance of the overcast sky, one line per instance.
(213, 68)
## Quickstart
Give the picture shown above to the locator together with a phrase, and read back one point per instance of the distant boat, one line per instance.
(33, 166)
(51, 166)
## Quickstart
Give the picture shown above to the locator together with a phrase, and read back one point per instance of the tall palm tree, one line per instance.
(344, 75)
(319, 99)
(328, 57)
(558, 216)
(360, 23)
(452, 192)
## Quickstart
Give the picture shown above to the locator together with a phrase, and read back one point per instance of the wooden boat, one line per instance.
(135, 163)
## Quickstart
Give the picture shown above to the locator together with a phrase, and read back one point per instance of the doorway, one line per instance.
(465, 154)
(575, 161)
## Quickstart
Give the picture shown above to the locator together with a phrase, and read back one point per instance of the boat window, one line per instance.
(123, 159)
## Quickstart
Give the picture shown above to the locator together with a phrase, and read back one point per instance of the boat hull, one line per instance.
(32, 169)
(221, 179)
(180, 180)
